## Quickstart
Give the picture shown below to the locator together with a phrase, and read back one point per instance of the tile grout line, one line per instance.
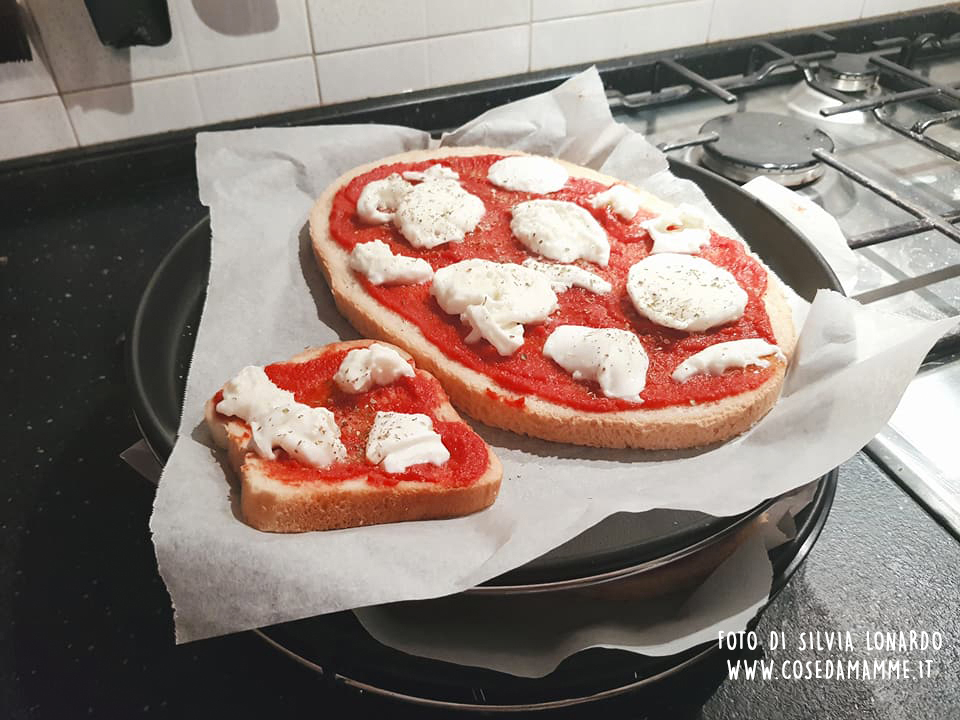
(478, 31)
(28, 98)
(313, 52)
(582, 16)
(316, 54)
(428, 61)
(432, 37)
(176, 27)
(185, 74)
(309, 16)
(48, 66)
(713, 9)
(530, 35)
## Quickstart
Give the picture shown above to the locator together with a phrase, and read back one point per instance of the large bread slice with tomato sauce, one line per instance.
(478, 395)
(269, 504)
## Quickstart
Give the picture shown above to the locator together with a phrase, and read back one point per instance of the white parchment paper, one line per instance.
(266, 301)
(529, 635)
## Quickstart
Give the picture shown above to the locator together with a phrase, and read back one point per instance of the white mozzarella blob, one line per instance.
(491, 322)
(510, 296)
(528, 173)
(377, 261)
(379, 199)
(685, 292)
(437, 212)
(400, 440)
(620, 199)
(560, 230)
(563, 277)
(476, 281)
(613, 358)
(681, 230)
(717, 359)
(364, 368)
(434, 172)
(276, 419)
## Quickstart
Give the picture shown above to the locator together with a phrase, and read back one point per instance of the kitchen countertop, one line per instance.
(85, 622)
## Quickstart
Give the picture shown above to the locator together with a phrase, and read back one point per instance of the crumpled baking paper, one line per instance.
(266, 301)
(529, 635)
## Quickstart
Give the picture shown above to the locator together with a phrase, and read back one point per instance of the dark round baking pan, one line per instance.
(161, 345)
(161, 339)
(338, 646)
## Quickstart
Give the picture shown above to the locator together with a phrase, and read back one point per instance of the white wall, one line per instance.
(232, 59)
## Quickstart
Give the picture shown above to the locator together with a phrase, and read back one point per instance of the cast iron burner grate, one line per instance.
(755, 144)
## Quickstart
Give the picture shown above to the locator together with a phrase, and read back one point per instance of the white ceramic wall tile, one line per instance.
(474, 56)
(25, 79)
(885, 7)
(598, 37)
(254, 56)
(21, 80)
(35, 126)
(342, 24)
(140, 108)
(260, 89)
(458, 16)
(372, 72)
(550, 9)
(79, 61)
(220, 33)
(742, 18)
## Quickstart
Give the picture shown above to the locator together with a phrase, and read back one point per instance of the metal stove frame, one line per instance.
(721, 72)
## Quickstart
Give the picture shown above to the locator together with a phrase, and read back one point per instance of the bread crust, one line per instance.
(653, 429)
(271, 505)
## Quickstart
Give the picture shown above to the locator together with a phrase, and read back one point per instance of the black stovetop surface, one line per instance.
(85, 622)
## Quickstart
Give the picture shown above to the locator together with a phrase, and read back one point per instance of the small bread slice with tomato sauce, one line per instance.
(319, 443)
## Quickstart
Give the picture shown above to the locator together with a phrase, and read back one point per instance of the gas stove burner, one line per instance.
(755, 144)
(848, 73)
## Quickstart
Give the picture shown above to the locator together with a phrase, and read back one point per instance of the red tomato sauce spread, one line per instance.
(312, 384)
(528, 371)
